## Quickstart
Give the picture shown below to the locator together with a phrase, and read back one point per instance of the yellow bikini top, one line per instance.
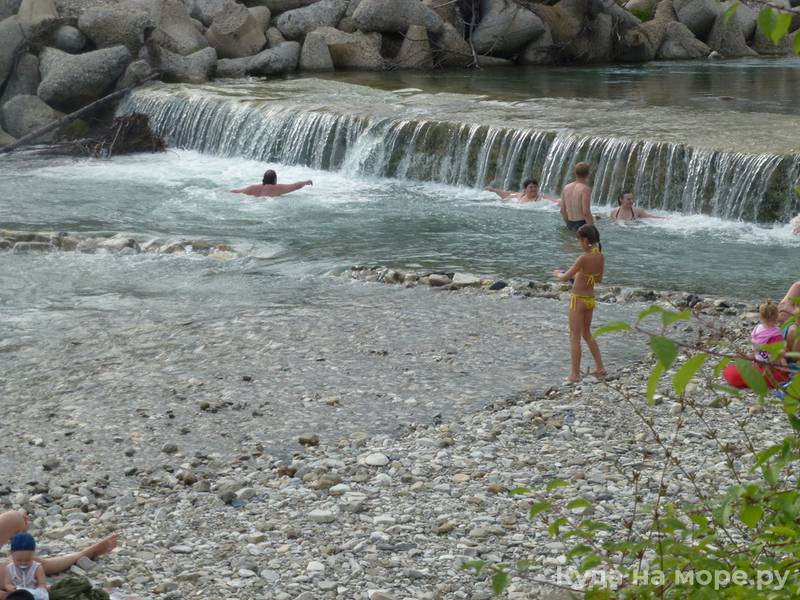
(591, 279)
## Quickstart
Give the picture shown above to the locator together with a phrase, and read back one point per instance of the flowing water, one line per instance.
(398, 162)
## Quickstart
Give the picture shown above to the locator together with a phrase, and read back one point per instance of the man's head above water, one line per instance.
(270, 177)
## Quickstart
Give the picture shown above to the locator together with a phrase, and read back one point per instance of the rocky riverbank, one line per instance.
(363, 514)
(59, 55)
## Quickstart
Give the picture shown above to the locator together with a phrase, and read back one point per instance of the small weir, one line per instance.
(384, 134)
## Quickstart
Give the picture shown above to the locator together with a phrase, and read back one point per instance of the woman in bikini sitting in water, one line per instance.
(586, 272)
(628, 212)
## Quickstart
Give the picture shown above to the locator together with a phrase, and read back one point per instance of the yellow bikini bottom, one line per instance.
(588, 301)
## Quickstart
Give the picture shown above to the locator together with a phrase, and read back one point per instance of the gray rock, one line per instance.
(110, 26)
(24, 78)
(194, 68)
(505, 28)
(25, 114)
(169, 448)
(361, 51)
(679, 43)
(376, 459)
(69, 79)
(415, 53)
(33, 12)
(461, 280)
(728, 39)
(9, 8)
(279, 6)
(321, 516)
(5, 138)
(396, 16)
(315, 55)
(236, 34)
(12, 37)
(438, 279)
(698, 15)
(69, 39)
(295, 24)
(135, 74)
(262, 16)
(205, 10)
(279, 60)
(744, 15)
(274, 37)
(451, 49)
(174, 28)
(540, 51)
(763, 45)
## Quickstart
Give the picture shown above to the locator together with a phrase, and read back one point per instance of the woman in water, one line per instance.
(628, 212)
(586, 272)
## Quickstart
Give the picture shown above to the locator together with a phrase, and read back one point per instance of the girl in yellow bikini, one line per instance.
(586, 272)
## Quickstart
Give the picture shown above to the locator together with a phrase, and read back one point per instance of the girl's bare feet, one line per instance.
(600, 373)
(572, 379)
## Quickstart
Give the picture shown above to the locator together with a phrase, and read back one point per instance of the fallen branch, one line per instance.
(66, 120)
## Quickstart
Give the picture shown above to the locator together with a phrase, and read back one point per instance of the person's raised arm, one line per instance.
(502, 193)
(586, 204)
(567, 275)
(643, 214)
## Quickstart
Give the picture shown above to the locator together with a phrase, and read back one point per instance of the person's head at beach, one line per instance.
(768, 314)
(589, 237)
(625, 199)
(582, 170)
(530, 187)
(23, 548)
(270, 177)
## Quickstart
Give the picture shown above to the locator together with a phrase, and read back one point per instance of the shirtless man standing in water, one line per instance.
(270, 187)
(576, 200)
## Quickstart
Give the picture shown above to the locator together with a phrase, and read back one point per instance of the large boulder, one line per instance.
(279, 6)
(679, 43)
(24, 80)
(728, 39)
(360, 51)
(505, 28)
(6, 139)
(448, 11)
(205, 10)
(262, 16)
(12, 38)
(274, 37)
(9, 8)
(279, 60)
(540, 51)
(698, 15)
(69, 39)
(33, 12)
(295, 24)
(25, 114)
(764, 46)
(744, 15)
(396, 16)
(450, 49)
(197, 67)
(315, 55)
(235, 33)
(135, 74)
(110, 26)
(175, 30)
(72, 80)
(415, 53)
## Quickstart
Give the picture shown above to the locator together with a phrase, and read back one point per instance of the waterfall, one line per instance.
(670, 176)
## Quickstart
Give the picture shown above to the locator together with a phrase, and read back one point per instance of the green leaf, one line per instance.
(727, 389)
(538, 508)
(669, 317)
(652, 382)
(555, 526)
(589, 563)
(751, 514)
(499, 582)
(782, 23)
(650, 310)
(524, 565)
(579, 550)
(729, 13)
(721, 365)
(766, 21)
(555, 484)
(665, 350)
(774, 24)
(518, 491)
(476, 565)
(783, 531)
(767, 453)
(611, 328)
(579, 503)
(753, 379)
(687, 371)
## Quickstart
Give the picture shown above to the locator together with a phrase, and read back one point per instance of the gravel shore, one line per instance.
(374, 515)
